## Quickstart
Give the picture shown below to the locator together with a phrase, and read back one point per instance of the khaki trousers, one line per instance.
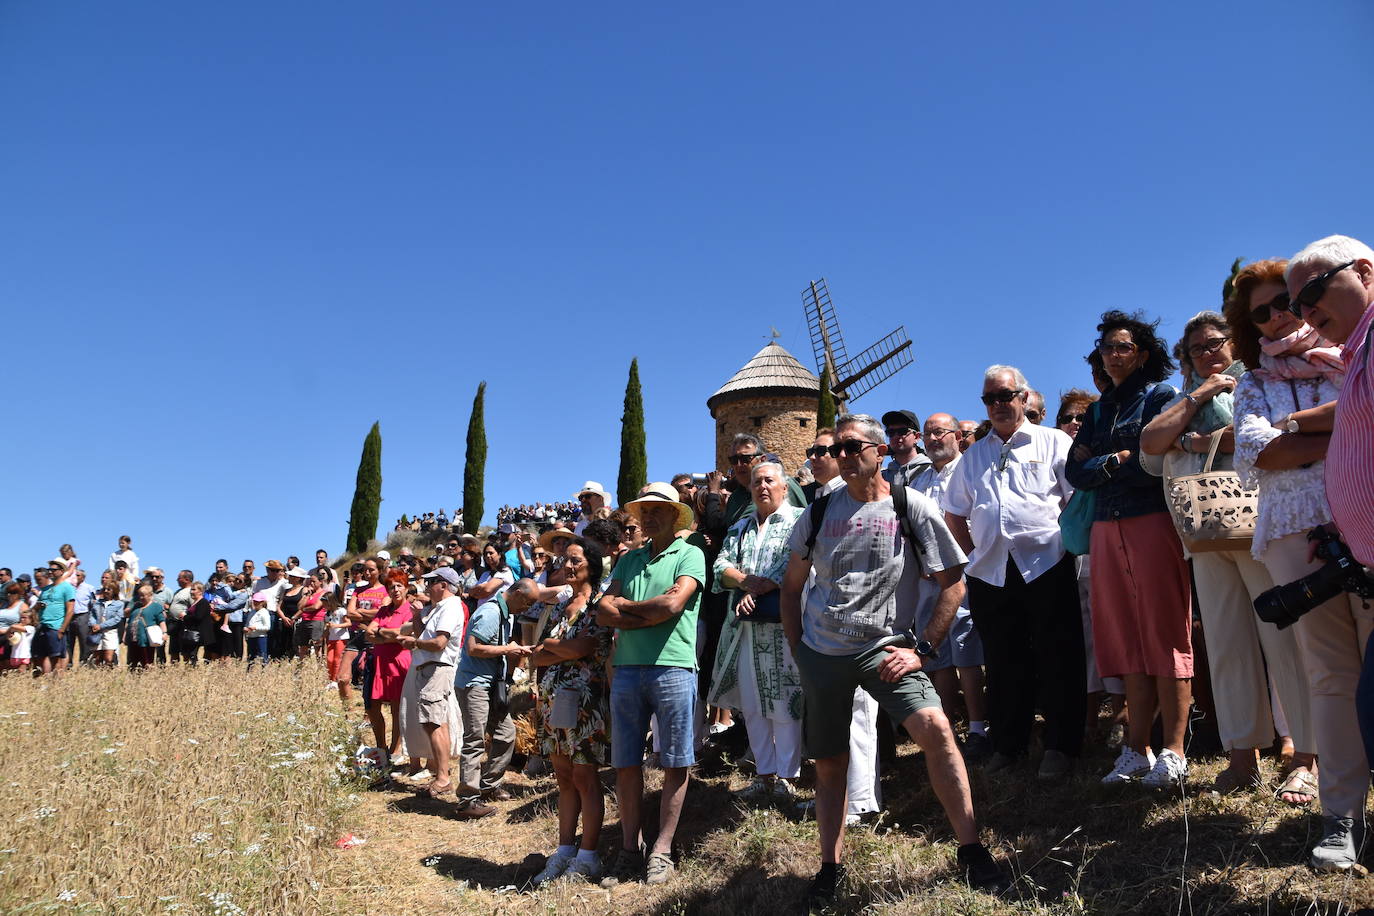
(1331, 638)
(1241, 647)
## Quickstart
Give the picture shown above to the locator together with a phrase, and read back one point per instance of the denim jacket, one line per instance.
(1113, 425)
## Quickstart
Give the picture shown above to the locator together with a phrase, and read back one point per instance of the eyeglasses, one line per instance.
(898, 432)
(1005, 396)
(1313, 290)
(1034, 415)
(818, 451)
(631, 527)
(1121, 347)
(743, 459)
(1066, 418)
(1262, 314)
(939, 433)
(1207, 347)
(850, 447)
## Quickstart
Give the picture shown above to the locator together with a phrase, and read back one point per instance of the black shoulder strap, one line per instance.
(817, 516)
(899, 505)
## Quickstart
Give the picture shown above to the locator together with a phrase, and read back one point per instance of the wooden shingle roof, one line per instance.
(772, 371)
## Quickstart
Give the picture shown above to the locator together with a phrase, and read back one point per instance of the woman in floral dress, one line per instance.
(574, 714)
(754, 670)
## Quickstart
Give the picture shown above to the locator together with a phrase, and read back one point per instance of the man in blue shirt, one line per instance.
(55, 606)
(81, 619)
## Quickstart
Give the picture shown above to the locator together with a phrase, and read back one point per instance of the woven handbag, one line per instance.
(1212, 510)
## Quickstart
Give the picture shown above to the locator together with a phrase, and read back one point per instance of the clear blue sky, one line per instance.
(234, 235)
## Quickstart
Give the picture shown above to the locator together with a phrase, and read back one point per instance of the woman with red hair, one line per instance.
(390, 660)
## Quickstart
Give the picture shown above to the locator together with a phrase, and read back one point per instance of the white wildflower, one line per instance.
(200, 837)
(45, 811)
(66, 895)
(303, 755)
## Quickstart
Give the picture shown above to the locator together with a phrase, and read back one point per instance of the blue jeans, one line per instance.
(257, 650)
(639, 692)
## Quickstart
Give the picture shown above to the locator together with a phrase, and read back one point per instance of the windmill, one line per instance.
(849, 378)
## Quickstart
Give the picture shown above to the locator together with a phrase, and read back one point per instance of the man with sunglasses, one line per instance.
(967, 434)
(745, 450)
(824, 468)
(958, 662)
(903, 432)
(856, 631)
(1003, 503)
(1331, 285)
(1035, 406)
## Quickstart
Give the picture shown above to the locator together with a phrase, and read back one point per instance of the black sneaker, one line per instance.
(980, 869)
(821, 893)
(628, 866)
(977, 748)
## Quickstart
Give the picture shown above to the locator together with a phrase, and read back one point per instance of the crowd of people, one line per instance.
(429, 521)
(952, 579)
(538, 513)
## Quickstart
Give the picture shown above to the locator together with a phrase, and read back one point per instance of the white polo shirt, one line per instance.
(1012, 492)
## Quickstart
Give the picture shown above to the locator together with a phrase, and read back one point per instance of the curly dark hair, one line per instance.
(595, 561)
(1158, 366)
(605, 531)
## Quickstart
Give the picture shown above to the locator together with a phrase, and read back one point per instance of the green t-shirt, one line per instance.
(643, 576)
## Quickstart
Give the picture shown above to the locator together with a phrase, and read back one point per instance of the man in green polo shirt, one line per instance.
(653, 599)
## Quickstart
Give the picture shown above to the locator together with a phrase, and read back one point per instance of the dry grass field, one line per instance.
(211, 791)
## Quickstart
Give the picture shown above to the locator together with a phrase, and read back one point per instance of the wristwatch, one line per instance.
(1290, 425)
(924, 648)
(1113, 462)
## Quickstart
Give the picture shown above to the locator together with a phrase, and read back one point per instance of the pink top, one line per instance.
(1350, 457)
(311, 609)
(391, 619)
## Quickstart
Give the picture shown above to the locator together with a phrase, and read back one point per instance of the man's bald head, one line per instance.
(521, 595)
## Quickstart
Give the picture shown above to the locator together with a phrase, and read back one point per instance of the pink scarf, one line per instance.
(1302, 354)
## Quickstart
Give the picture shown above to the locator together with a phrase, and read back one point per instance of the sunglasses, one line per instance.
(1262, 314)
(1124, 348)
(898, 432)
(743, 459)
(1005, 396)
(1069, 418)
(818, 451)
(1034, 415)
(850, 447)
(1313, 290)
(1207, 348)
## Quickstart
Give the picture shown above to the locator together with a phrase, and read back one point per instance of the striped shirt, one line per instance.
(1350, 457)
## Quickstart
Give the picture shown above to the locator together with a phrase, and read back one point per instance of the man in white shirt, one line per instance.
(958, 661)
(1002, 503)
(125, 553)
(434, 658)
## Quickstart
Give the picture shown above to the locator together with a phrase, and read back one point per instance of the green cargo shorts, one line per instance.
(828, 683)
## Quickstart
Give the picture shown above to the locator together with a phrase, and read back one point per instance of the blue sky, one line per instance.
(234, 235)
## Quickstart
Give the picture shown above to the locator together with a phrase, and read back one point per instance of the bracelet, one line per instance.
(1192, 400)
(1183, 441)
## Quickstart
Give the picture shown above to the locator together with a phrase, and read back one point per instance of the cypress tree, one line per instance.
(825, 410)
(475, 463)
(367, 493)
(634, 464)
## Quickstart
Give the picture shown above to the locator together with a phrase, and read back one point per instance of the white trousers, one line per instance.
(1241, 647)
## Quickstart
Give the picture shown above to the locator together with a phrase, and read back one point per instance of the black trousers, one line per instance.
(1032, 636)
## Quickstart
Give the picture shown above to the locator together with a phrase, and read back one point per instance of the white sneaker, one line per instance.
(1167, 772)
(756, 789)
(782, 789)
(587, 871)
(554, 867)
(1129, 766)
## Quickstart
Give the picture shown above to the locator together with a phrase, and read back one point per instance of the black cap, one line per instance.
(901, 418)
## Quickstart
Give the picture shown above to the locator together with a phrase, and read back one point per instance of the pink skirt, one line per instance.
(1141, 598)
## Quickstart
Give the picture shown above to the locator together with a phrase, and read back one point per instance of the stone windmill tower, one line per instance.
(774, 397)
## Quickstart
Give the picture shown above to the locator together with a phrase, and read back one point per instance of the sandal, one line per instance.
(434, 790)
(1301, 783)
(1229, 780)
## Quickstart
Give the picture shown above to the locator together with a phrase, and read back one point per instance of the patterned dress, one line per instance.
(589, 741)
(755, 657)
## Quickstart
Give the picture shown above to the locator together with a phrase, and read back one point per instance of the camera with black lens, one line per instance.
(1282, 605)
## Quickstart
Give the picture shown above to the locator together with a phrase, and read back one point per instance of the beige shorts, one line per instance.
(435, 685)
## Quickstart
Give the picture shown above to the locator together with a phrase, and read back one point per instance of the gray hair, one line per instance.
(871, 427)
(1328, 252)
(782, 473)
(1203, 319)
(742, 439)
(1017, 378)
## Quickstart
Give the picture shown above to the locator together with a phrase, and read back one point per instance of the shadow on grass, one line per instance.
(748, 891)
(482, 873)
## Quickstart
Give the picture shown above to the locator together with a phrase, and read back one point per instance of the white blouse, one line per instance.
(1290, 500)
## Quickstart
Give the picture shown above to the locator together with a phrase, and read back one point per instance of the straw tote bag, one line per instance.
(1211, 510)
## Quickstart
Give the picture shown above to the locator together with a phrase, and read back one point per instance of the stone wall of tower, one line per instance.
(786, 425)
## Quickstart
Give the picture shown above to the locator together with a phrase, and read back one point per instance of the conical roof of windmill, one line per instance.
(772, 371)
